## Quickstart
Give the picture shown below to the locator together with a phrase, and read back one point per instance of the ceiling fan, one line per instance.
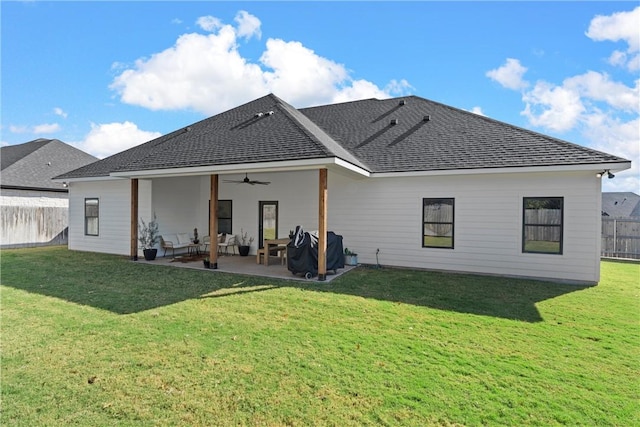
(246, 180)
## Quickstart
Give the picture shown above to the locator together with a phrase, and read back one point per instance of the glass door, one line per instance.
(268, 223)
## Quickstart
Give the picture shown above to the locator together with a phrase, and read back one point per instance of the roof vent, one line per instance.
(187, 129)
(426, 118)
(258, 115)
(269, 113)
(402, 102)
(393, 122)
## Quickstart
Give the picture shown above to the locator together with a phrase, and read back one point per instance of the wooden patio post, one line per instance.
(213, 222)
(134, 220)
(322, 225)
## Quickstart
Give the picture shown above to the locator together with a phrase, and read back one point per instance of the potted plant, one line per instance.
(195, 236)
(244, 243)
(350, 258)
(148, 238)
(206, 262)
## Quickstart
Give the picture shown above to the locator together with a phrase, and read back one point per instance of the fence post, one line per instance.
(615, 237)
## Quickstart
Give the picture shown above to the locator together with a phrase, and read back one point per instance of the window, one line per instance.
(542, 224)
(91, 217)
(437, 219)
(224, 216)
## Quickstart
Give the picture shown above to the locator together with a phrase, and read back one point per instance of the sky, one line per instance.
(105, 76)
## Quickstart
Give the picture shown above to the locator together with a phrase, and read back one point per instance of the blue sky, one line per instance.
(104, 76)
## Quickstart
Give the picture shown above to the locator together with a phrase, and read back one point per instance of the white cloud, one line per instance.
(36, 129)
(618, 26)
(248, 25)
(299, 75)
(613, 135)
(208, 74)
(209, 23)
(599, 87)
(477, 110)
(634, 63)
(60, 112)
(617, 58)
(605, 111)
(46, 128)
(509, 75)
(108, 138)
(553, 107)
(18, 129)
(621, 26)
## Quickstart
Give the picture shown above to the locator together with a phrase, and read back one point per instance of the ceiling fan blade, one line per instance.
(246, 180)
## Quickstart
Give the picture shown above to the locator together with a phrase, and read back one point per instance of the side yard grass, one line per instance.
(97, 340)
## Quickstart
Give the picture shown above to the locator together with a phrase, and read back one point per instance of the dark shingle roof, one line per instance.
(358, 132)
(450, 139)
(32, 165)
(620, 204)
(14, 153)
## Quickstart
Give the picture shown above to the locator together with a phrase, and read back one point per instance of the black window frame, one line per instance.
(223, 207)
(528, 225)
(452, 203)
(87, 217)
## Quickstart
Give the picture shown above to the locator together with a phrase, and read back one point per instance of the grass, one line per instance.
(91, 339)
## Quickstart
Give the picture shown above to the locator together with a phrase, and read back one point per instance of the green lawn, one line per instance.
(97, 340)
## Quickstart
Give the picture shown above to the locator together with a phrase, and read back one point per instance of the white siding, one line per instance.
(373, 213)
(114, 215)
(386, 214)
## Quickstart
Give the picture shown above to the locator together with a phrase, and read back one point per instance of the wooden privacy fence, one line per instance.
(621, 237)
(29, 226)
(543, 224)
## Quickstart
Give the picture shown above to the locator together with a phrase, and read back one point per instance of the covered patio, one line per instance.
(240, 265)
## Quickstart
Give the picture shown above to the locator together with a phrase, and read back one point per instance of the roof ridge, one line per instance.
(321, 137)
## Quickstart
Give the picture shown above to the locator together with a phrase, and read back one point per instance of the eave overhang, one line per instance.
(331, 163)
(595, 167)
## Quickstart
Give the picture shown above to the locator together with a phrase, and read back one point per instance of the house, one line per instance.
(621, 225)
(621, 205)
(34, 208)
(407, 182)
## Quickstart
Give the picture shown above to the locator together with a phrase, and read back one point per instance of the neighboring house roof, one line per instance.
(620, 204)
(32, 165)
(426, 136)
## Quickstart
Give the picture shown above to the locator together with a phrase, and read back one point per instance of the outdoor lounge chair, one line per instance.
(229, 242)
(174, 241)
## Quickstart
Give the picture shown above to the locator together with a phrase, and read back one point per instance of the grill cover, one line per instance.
(302, 253)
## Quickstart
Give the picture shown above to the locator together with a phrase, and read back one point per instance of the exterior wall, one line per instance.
(114, 215)
(370, 214)
(386, 214)
(33, 218)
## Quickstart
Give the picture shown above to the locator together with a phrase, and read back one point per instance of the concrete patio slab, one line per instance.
(241, 265)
